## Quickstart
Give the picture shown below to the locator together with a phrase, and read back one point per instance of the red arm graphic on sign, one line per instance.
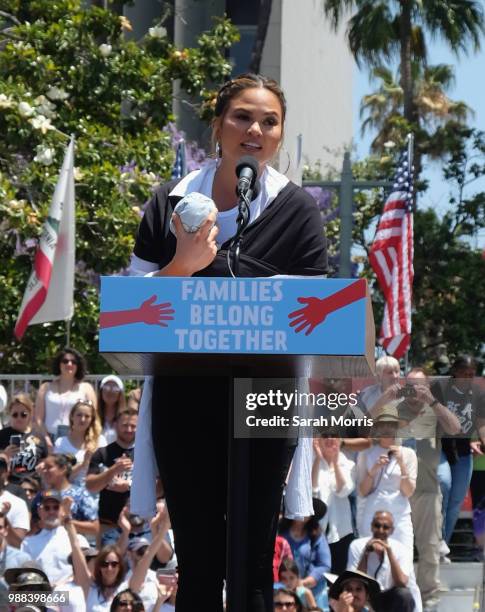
(317, 309)
(147, 312)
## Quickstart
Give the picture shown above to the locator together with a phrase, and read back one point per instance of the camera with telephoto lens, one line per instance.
(406, 391)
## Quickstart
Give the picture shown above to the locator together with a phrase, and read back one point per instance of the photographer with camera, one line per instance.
(373, 399)
(390, 563)
(386, 478)
(426, 419)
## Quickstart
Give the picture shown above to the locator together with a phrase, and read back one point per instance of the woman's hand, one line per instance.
(381, 462)
(343, 603)
(123, 522)
(87, 458)
(195, 251)
(65, 513)
(11, 451)
(397, 454)
(317, 448)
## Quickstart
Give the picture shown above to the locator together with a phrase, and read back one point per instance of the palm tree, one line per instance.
(436, 113)
(382, 29)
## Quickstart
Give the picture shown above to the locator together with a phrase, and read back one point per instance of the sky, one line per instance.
(469, 75)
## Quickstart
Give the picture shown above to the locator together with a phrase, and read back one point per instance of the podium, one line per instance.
(278, 327)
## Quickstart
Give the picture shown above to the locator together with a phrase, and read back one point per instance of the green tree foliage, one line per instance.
(381, 30)
(67, 69)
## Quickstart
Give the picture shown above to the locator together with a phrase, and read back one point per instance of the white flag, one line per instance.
(50, 290)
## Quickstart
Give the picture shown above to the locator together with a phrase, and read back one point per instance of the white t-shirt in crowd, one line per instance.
(97, 603)
(63, 445)
(149, 591)
(337, 522)
(383, 574)
(386, 493)
(18, 515)
(58, 406)
(50, 548)
(75, 594)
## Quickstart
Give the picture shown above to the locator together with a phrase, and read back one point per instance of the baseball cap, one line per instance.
(114, 379)
(137, 543)
(49, 494)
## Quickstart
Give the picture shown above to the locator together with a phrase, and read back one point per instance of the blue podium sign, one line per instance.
(278, 316)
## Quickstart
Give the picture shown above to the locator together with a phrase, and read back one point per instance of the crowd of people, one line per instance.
(392, 493)
(382, 497)
(65, 476)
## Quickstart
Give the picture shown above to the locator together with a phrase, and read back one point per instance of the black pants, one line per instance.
(190, 432)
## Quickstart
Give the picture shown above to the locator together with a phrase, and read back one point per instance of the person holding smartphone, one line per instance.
(386, 478)
(24, 448)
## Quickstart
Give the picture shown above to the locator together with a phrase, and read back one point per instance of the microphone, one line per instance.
(193, 210)
(246, 172)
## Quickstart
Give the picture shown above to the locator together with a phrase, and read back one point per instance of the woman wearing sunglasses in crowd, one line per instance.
(83, 439)
(284, 236)
(109, 577)
(24, 447)
(56, 398)
(127, 601)
(285, 600)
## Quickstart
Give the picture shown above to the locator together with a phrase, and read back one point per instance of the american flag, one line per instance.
(179, 169)
(391, 257)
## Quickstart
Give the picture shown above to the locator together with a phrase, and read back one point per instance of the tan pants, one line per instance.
(426, 517)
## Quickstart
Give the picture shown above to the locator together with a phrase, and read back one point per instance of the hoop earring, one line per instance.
(288, 159)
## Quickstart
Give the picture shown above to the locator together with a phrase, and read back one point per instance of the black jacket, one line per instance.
(287, 238)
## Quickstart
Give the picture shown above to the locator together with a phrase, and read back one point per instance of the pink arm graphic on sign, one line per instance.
(148, 312)
(316, 309)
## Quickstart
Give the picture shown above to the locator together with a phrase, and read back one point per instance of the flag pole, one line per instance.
(68, 332)
(410, 138)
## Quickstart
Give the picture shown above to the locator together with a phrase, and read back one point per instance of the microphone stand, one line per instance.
(242, 222)
(237, 528)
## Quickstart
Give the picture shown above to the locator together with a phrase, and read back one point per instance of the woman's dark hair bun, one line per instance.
(71, 458)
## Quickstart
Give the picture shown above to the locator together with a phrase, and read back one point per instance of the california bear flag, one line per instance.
(49, 292)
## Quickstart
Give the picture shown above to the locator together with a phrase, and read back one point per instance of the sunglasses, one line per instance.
(110, 564)
(284, 604)
(378, 525)
(85, 402)
(29, 490)
(111, 388)
(51, 507)
(16, 415)
(66, 361)
(125, 603)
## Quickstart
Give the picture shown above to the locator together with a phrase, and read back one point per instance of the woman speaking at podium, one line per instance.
(189, 415)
